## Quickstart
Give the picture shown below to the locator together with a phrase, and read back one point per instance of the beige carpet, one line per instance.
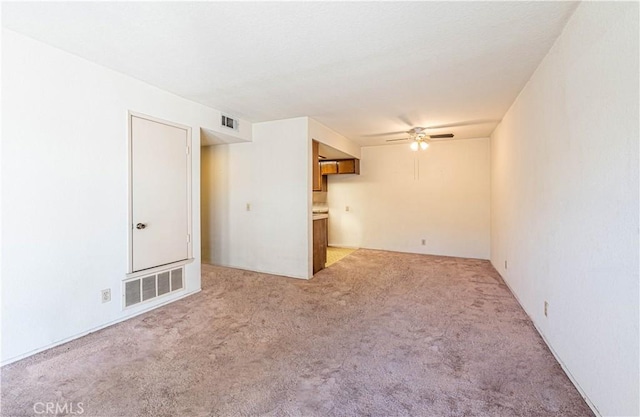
(334, 254)
(377, 334)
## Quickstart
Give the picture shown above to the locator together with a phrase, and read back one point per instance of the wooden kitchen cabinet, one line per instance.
(317, 177)
(328, 167)
(349, 166)
(320, 244)
(340, 166)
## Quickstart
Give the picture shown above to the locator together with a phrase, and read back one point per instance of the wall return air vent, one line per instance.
(228, 122)
(143, 289)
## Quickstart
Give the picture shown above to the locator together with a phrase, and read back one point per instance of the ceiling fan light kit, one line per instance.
(421, 139)
(419, 143)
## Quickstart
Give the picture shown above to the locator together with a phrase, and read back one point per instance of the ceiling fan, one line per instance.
(420, 138)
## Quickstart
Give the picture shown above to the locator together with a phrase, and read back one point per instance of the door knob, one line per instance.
(140, 226)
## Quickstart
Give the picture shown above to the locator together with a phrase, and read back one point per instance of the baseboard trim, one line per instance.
(244, 268)
(343, 246)
(95, 329)
(422, 253)
(553, 352)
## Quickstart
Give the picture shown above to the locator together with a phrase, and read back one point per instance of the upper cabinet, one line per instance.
(328, 167)
(317, 177)
(323, 166)
(340, 166)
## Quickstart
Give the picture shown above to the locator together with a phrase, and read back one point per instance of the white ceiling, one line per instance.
(361, 68)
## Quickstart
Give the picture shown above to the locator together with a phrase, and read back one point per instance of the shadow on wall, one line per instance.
(214, 197)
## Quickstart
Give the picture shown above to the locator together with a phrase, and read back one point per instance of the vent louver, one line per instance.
(148, 288)
(143, 289)
(163, 283)
(228, 122)
(131, 293)
(176, 279)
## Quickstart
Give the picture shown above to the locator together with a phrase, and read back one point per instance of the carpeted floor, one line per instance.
(377, 334)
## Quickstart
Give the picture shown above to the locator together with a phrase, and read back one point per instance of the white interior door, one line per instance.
(159, 193)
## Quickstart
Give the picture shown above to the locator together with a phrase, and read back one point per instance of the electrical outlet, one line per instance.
(346, 208)
(248, 206)
(424, 242)
(505, 264)
(106, 295)
(546, 308)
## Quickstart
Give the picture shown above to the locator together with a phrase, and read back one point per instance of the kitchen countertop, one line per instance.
(320, 216)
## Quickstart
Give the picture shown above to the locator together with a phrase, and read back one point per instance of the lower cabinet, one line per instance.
(319, 244)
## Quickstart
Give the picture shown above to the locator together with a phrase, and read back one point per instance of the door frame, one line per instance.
(189, 153)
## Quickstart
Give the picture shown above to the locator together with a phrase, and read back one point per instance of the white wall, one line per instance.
(565, 202)
(401, 197)
(272, 174)
(65, 191)
(323, 134)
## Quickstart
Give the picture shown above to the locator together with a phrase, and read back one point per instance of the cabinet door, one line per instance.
(347, 166)
(317, 178)
(319, 244)
(328, 167)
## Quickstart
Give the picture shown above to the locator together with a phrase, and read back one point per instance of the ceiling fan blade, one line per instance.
(405, 119)
(421, 130)
(396, 140)
(377, 135)
(460, 124)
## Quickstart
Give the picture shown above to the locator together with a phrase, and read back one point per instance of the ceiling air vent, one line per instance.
(228, 122)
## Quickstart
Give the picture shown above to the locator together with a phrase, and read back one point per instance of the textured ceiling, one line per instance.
(361, 68)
